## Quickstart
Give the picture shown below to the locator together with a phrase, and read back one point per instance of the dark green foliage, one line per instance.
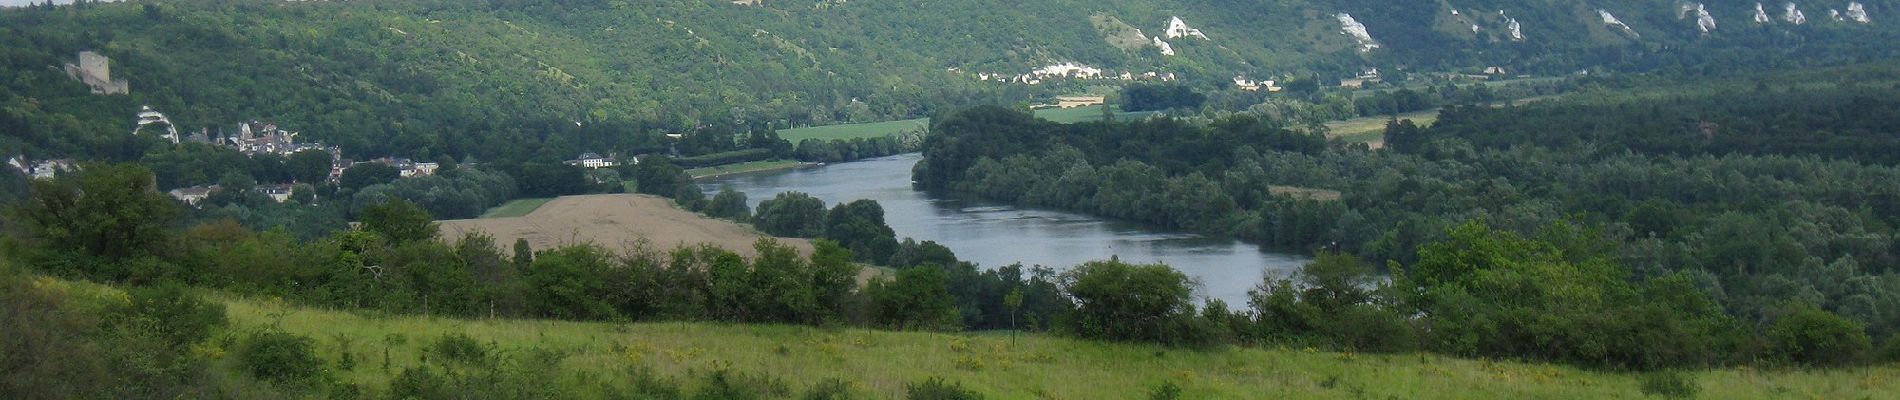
(729, 204)
(1128, 302)
(859, 226)
(1854, 126)
(463, 193)
(172, 314)
(1164, 172)
(658, 176)
(363, 175)
(910, 253)
(791, 214)
(551, 179)
(460, 348)
(690, 198)
(419, 383)
(105, 222)
(1812, 336)
(1670, 384)
(936, 388)
(1143, 97)
(1889, 352)
(1491, 293)
(308, 166)
(917, 299)
(399, 221)
(573, 283)
(1335, 302)
(279, 357)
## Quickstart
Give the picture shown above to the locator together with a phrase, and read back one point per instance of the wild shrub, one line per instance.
(936, 389)
(723, 384)
(1670, 384)
(279, 357)
(1811, 336)
(1890, 352)
(648, 385)
(831, 389)
(1167, 391)
(419, 383)
(458, 347)
(171, 313)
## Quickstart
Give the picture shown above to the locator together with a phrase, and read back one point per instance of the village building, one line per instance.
(50, 169)
(591, 160)
(1079, 101)
(193, 195)
(278, 192)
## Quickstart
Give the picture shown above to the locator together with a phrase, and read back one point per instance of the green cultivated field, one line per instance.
(1029, 366)
(1372, 129)
(1086, 114)
(515, 208)
(852, 131)
(881, 129)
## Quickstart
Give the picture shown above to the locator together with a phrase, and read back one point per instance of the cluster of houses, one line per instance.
(43, 169)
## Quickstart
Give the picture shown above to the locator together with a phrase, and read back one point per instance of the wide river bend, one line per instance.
(993, 235)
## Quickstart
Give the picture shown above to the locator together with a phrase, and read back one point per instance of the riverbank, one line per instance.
(746, 168)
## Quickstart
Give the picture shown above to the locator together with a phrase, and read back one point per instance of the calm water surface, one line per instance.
(992, 235)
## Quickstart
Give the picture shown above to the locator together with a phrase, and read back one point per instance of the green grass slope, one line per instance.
(1027, 366)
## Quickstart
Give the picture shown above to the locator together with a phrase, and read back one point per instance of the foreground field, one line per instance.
(1029, 366)
(619, 222)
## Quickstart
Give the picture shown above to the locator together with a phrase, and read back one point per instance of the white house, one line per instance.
(592, 160)
(50, 168)
(279, 193)
(193, 195)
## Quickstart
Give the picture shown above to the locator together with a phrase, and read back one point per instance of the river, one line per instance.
(992, 235)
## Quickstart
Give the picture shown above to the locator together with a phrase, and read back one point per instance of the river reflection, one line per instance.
(993, 235)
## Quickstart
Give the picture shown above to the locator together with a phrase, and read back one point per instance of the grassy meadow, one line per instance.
(998, 364)
(515, 208)
(1086, 114)
(881, 129)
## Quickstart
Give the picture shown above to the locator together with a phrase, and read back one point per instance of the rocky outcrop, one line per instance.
(1357, 31)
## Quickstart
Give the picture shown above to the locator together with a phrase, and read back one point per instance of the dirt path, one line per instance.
(619, 222)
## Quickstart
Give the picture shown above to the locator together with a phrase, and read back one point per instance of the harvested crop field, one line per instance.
(618, 222)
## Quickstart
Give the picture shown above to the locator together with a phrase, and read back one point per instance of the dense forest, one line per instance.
(514, 81)
(1791, 209)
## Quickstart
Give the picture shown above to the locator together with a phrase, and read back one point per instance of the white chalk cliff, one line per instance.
(1703, 20)
(1352, 27)
(1179, 29)
(1761, 14)
(1793, 14)
(1858, 13)
(1166, 49)
(1610, 20)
